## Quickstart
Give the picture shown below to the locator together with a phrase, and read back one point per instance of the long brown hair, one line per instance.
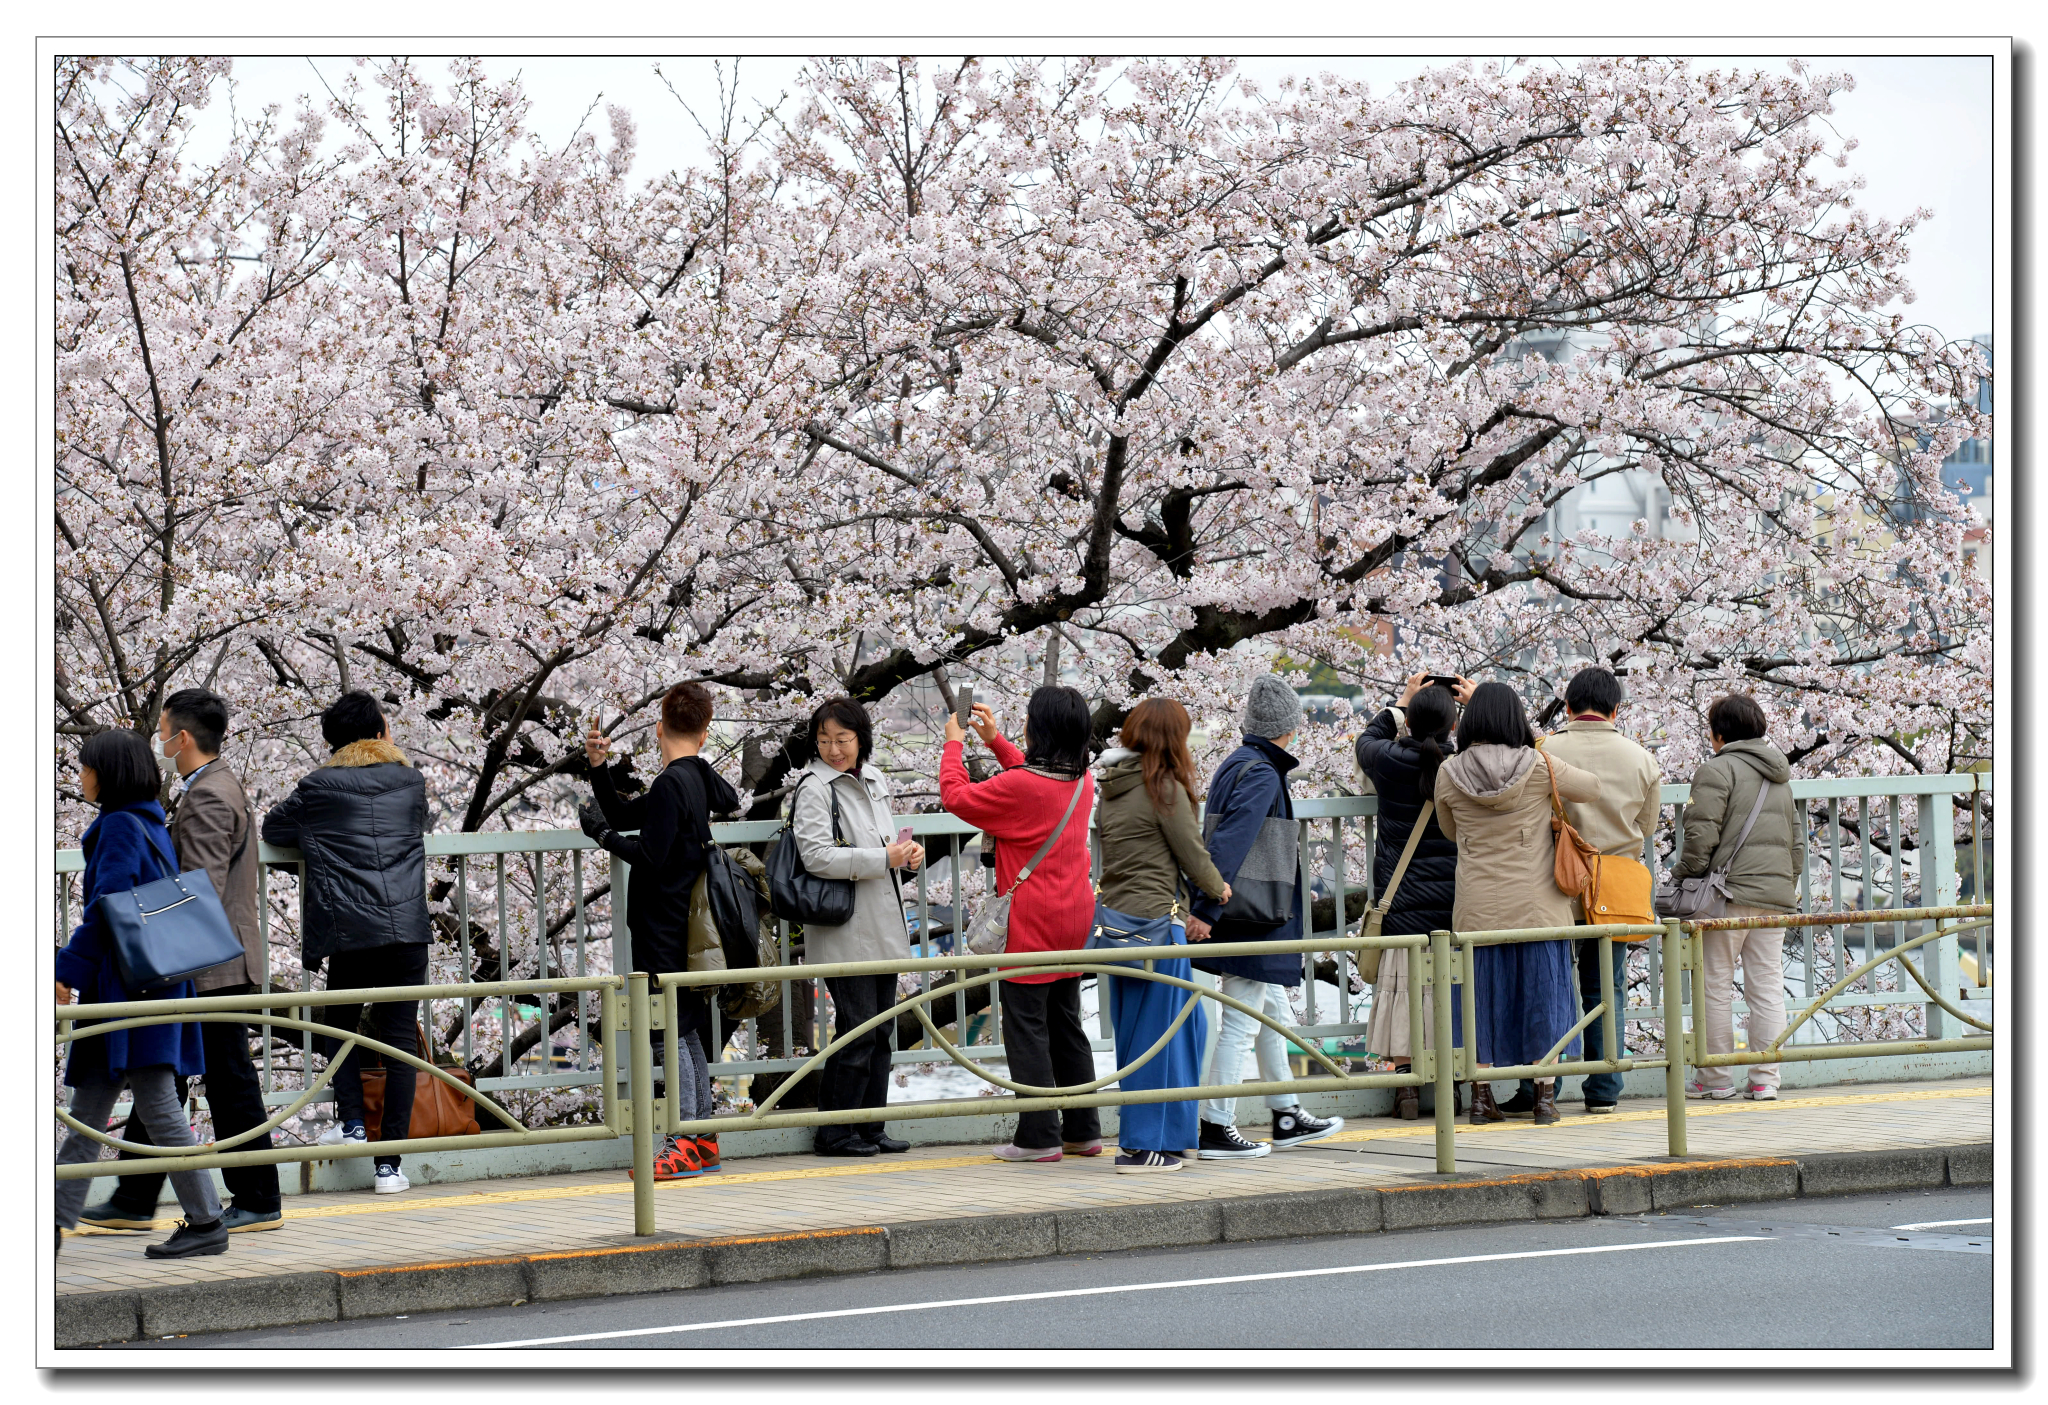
(1157, 729)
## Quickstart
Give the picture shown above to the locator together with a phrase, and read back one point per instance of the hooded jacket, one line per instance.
(1145, 851)
(1494, 801)
(360, 821)
(1765, 873)
(1249, 787)
(877, 931)
(126, 847)
(674, 823)
(1393, 764)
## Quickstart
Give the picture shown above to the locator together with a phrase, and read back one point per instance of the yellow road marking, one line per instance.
(1692, 1110)
(940, 1163)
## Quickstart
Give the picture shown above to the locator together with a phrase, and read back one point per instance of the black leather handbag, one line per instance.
(794, 892)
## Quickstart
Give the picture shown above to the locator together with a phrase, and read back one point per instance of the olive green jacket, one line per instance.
(1145, 853)
(1765, 873)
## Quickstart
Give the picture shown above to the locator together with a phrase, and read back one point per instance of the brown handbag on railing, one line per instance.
(437, 1109)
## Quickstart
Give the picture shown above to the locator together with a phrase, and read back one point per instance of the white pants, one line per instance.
(1762, 953)
(1236, 1030)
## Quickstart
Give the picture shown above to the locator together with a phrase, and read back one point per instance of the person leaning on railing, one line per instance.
(1493, 799)
(1151, 846)
(1400, 752)
(1762, 879)
(360, 821)
(863, 851)
(1017, 809)
(212, 829)
(126, 847)
(1613, 822)
(668, 854)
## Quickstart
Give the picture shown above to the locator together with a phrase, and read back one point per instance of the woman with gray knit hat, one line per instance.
(1258, 860)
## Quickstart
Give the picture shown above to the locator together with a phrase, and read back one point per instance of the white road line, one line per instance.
(1941, 1224)
(1095, 1292)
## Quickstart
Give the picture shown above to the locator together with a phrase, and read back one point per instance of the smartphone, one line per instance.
(1448, 681)
(903, 835)
(964, 706)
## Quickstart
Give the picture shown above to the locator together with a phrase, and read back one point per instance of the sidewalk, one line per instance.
(792, 1195)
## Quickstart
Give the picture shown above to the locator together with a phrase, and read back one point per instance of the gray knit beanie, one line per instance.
(1272, 709)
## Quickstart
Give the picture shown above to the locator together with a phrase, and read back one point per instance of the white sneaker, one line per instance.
(1698, 1090)
(1759, 1092)
(391, 1182)
(340, 1133)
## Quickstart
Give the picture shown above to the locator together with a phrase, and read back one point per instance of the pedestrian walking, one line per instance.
(1248, 790)
(212, 829)
(1042, 790)
(126, 847)
(360, 821)
(1152, 855)
(1615, 822)
(1742, 822)
(839, 815)
(1494, 800)
(668, 855)
(1400, 753)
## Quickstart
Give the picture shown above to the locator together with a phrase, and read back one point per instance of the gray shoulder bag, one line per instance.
(990, 933)
(1706, 897)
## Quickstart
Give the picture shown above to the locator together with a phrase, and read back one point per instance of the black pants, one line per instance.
(234, 1094)
(1046, 1046)
(393, 1022)
(858, 1075)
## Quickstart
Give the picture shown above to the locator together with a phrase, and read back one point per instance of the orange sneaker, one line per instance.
(676, 1161)
(707, 1152)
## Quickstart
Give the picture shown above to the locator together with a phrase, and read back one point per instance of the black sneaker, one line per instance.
(1222, 1143)
(1131, 1163)
(1522, 1104)
(241, 1221)
(191, 1241)
(112, 1216)
(1292, 1127)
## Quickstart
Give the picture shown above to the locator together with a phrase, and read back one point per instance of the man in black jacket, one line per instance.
(359, 821)
(667, 857)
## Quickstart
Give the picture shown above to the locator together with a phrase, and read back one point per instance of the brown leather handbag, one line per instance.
(437, 1109)
(1609, 887)
(1572, 869)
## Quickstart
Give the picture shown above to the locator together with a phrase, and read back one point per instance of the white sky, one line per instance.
(1925, 124)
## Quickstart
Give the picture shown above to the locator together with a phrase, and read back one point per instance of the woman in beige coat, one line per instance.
(1493, 799)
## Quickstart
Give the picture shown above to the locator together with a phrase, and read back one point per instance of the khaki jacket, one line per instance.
(208, 824)
(1616, 820)
(1145, 853)
(1495, 802)
(1765, 872)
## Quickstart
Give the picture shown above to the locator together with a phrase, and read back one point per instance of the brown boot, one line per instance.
(1484, 1109)
(1546, 1102)
(1407, 1104)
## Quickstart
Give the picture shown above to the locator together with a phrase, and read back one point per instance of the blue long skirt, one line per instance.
(1141, 1010)
(1525, 997)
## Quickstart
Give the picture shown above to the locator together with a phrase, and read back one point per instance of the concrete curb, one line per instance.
(664, 1265)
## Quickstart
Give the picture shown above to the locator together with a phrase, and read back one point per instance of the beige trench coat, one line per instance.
(1506, 851)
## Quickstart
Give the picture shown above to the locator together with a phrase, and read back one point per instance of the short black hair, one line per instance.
(853, 717)
(203, 713)
(1737, 718)
(123, 764)
(1494, 715)
(1593, 689)
(1056, 729)
(354, 717)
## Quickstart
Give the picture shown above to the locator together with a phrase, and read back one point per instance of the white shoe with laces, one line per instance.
(1761, 1093)
(391, 1181)
(343, 1132)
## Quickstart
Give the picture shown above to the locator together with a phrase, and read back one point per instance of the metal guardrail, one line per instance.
(630, 1013)
(1856, 856)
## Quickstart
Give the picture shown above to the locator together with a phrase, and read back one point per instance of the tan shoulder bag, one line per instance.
(1376, 917)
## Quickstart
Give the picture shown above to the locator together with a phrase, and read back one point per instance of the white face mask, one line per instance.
(163, 749)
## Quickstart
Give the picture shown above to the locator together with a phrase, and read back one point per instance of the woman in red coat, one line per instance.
(1053, 910)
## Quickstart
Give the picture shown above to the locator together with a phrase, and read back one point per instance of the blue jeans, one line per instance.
(1599, 1087)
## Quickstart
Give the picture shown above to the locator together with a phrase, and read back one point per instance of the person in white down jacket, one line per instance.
(864, 851)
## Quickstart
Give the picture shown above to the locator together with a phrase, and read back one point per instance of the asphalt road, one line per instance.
(1797, 1274)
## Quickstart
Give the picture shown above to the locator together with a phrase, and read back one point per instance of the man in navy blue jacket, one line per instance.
(1249, 788)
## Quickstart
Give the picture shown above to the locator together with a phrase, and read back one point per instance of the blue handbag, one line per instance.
(167, 931)
(1116, 931)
